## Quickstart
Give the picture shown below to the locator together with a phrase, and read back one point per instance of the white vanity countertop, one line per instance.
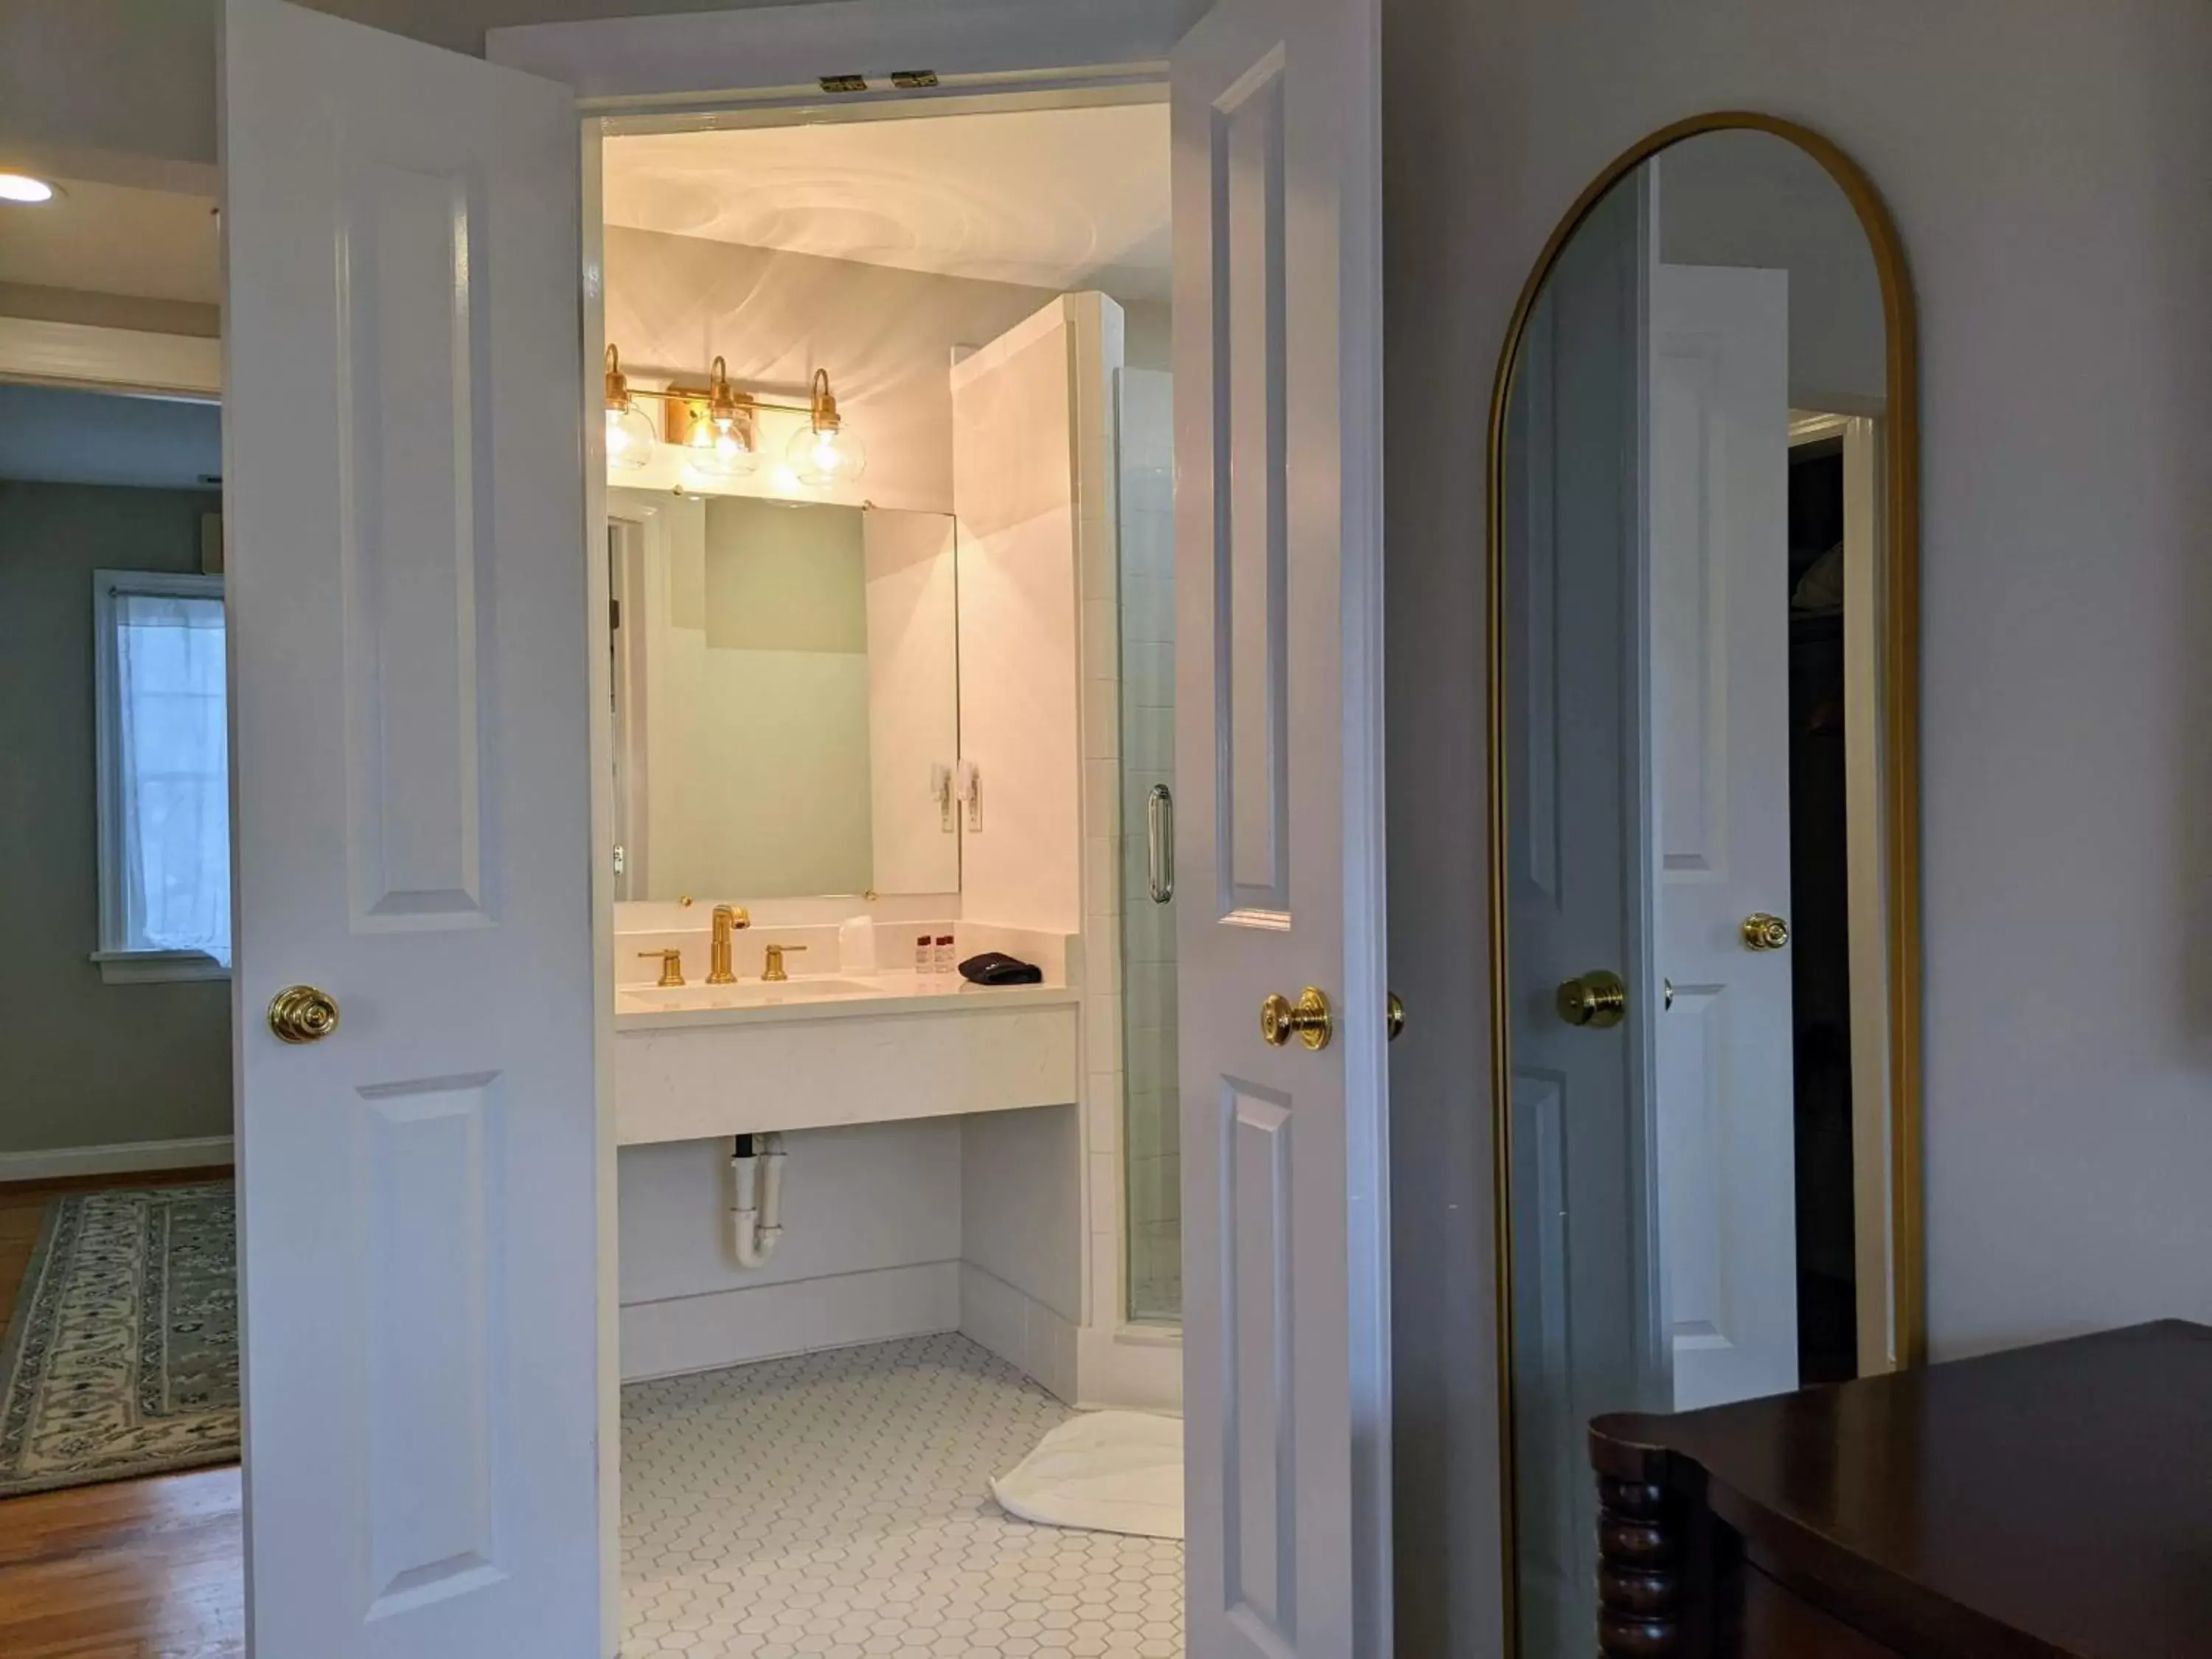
(751, 1001)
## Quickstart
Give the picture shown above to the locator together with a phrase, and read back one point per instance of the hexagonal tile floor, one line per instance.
(837, 1505)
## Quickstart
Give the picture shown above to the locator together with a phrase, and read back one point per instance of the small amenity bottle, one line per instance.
(945, 953)
(923, 958)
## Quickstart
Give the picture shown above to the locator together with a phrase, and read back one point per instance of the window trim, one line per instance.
(118, 964)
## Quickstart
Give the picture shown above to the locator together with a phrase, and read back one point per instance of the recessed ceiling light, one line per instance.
(21, 188)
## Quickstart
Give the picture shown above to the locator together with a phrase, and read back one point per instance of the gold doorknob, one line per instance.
(1764, 933)
(300, 1014)
(1393, 1016)
(1307, 1018)
(1599, 997)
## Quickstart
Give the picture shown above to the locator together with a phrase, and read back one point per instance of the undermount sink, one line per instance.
(753, 994)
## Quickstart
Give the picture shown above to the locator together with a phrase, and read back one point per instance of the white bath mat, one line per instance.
(1102, 1472)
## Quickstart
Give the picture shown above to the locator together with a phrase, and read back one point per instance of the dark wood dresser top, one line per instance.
(2052, 1500)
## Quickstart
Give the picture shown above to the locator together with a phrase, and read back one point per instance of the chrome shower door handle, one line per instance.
(1159, 843)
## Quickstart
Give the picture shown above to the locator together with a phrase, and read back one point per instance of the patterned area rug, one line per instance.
(122, 1358)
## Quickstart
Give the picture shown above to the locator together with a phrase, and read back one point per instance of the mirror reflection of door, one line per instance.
(1703, 727)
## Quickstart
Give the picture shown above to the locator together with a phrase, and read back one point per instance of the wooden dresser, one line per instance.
(2052, 1501)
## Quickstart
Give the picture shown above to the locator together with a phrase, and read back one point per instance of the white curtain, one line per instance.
(175, 774)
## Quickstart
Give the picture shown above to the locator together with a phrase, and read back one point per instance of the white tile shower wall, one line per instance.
(1152, 1121)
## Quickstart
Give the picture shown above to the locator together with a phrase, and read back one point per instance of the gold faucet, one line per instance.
(671, 964)
(727, 918)
(774, 973)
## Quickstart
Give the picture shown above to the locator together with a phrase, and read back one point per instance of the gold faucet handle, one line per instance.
(774, 969)
(671, 964)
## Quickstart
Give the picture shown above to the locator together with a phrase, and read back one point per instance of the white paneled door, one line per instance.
(1720, 700)
(1279, 761)
(1585, 1269)
(403, 488)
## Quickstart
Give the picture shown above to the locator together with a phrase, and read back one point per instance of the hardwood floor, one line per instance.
(133, 1569)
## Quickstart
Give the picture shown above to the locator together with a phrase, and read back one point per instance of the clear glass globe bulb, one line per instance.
(630, 439)
(733, 456)
(831, 457)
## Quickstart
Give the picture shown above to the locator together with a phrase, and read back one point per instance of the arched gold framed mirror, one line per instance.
(1703, 547)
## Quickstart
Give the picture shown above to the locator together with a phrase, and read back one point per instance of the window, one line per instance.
(164, 776)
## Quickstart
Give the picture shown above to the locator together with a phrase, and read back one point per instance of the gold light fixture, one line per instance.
(629, 435)
(718, 426)
(826, 450)
(716, 430)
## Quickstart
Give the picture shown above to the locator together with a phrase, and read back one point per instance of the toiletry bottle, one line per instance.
(922, 956)
(945, 953)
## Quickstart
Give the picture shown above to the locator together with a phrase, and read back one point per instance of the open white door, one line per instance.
(403, 488)
(1586, 1318)
(1278, 689)
(1720, 666)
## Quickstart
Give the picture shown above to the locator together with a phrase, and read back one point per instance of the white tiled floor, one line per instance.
(838, 1504)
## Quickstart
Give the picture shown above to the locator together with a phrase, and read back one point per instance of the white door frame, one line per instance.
(775, 55)
(127, 362)
(763, 67)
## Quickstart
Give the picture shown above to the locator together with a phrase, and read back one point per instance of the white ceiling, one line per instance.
(1063, 199)
(115, 239)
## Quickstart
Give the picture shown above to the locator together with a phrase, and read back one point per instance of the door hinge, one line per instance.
(614, 613)
(621, 860)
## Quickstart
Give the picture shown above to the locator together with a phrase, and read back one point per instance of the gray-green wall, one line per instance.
(82, 1063)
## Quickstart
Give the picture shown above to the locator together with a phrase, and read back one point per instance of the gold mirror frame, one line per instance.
(1900, 757)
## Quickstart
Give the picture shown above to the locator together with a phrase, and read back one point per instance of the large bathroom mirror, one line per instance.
(1702, 552)
(786, 688)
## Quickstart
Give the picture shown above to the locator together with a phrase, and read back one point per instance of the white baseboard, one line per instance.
(767, 1322)
(133, 1157)
(1018, 1328)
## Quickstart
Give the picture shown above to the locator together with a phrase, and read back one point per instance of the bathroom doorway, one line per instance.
(890, 565)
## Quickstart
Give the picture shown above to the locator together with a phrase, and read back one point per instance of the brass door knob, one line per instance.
(1599, 999)
(1393, 1016)
(1308, 1019)
(1764, 933)
(300, 1014)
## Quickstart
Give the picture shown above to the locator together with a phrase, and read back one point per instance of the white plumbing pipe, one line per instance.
(757, 1202)
(771, 1195)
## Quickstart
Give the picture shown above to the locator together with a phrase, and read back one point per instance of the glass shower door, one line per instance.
(1151, 1140)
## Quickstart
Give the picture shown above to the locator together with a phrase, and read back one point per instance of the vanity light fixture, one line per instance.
(717, 429)
(826, 450)
(629, 435)
(22, 188)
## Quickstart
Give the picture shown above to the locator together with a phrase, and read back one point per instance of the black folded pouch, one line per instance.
(997, 968)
